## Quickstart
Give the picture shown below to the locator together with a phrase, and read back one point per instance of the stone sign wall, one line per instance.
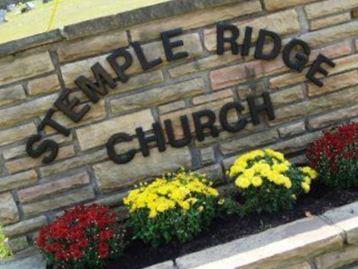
(35, 69)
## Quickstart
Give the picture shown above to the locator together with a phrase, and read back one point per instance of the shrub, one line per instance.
(84, 237)
(335, 156)
(5, 251)
(267, 182)
(174, 207)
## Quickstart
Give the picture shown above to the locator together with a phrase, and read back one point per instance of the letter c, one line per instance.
(119, 158)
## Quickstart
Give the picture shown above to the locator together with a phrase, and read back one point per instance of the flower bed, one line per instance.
(182, 212)
(224, 230)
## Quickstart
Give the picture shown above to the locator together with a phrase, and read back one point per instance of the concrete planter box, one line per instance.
(328, 241)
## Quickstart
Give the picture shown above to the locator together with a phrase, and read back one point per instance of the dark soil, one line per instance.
(139, 255)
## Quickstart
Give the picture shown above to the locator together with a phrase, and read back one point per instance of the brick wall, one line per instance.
(31, 194)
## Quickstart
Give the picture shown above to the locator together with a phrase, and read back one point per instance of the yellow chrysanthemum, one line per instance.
(249, 173)
(269, 172)
(153, 213)
(243, 182)
(256, 181)
(174, 191)
(305, 187)
(275, 154)
(185, 205)
(267, 165)
(280, 167)
(307, 180)
(192, 201)
(287, 183)
(309, 171)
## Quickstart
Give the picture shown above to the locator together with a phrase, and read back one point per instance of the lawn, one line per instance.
(43, 18)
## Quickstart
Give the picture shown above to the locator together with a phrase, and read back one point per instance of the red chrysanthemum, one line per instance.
(335, 155)
(82, 230)
(334, 145)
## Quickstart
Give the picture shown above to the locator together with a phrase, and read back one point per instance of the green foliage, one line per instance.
(343, 177)
(228, 206)
(269, 198)
(5, 251)
(174, 224)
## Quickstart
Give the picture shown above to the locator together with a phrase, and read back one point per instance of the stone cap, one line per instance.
(118, 21)
(288, 243)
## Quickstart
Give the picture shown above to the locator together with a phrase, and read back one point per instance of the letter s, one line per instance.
(44, 146)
